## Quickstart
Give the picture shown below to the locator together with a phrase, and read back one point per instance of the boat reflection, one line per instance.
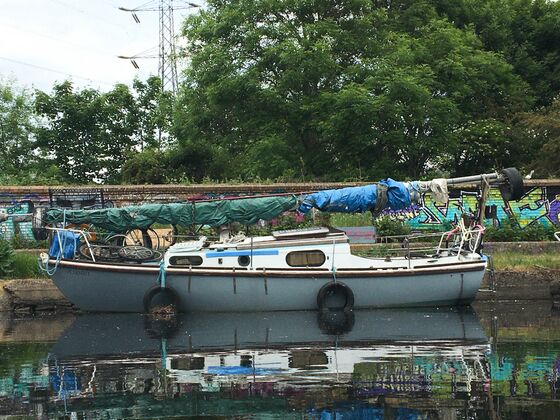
(292, 364)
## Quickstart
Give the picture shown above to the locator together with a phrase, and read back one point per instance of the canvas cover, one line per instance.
(357, 199)
(213, 213)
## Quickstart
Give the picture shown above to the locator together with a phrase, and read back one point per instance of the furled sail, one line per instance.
(387, 194)
(213, 213)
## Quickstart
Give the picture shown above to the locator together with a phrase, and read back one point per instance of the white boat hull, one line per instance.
(123, 288)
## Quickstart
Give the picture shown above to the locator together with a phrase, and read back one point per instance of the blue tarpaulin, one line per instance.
(357, 199)
(70, 242)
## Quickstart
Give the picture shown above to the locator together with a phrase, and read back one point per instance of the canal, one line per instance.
(487, 362)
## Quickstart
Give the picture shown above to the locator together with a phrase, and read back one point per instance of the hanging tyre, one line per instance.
(161, 301)
(38, 223)
(335, 296)
(512, 187)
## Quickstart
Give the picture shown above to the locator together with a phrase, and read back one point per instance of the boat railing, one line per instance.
(459, 241)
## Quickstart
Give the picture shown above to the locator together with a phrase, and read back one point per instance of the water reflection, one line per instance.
(422, 363)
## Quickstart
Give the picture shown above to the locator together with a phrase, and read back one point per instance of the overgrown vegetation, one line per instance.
(520, 261)
(510, 231)
(6, 258)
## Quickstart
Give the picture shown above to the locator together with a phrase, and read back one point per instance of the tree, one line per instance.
(543, 127)
(154, 112)
(17, 125)
(86, 133)
(350, 89)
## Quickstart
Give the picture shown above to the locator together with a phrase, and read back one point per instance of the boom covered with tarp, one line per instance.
(387, 194)
(213, 213)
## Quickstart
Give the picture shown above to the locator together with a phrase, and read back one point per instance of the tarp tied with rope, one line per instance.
(213, 213)
(387, 194)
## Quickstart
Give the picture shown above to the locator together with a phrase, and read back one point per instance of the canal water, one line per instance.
(487, 362)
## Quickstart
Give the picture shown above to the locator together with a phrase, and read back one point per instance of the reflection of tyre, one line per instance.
(161, 327)
(335, 295)
(512, 189)
(161, 300)
(335, 322)
(38, 223)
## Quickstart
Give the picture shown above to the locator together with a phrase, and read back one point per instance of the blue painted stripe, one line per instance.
(240, 253)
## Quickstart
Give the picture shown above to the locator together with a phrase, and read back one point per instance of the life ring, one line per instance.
(158, 298)
(335, 288)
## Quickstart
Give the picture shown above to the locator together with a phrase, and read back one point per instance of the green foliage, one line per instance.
(19, 242)
(89, 134)
(150, 166)
(356, 90)
(351, 219)
(17, 125)
(543, 126)
(387, 226)
(6, 258)
(510, 231)
(26, 266)
(516, 260)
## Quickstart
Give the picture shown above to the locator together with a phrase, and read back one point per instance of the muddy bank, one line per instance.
(41, 295)
(31, 296)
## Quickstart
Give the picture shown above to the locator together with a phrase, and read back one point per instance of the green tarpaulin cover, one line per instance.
(214, 213)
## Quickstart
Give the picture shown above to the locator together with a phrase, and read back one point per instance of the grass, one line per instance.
(26, 267)
(519, 261)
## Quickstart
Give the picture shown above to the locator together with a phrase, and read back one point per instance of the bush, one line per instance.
(387, 226)
(510, 231)
(6, 258)
(26, 266)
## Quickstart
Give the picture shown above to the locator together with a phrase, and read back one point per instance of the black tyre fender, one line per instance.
(161, 296)
(334, 288)
(512, 189)
(335, 322)
(38, 223)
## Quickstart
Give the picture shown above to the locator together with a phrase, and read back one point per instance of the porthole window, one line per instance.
(305, 258)
(185, 260)
(244, 260)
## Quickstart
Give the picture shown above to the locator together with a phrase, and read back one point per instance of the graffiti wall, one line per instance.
(538, 205)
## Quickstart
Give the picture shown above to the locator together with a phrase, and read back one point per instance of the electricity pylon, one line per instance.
(166, 52)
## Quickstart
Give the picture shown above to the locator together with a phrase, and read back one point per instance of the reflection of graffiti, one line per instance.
(538, 205)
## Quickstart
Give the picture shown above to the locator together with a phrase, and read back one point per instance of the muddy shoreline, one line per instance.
(41, 295)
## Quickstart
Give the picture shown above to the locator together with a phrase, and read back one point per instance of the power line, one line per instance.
(77, 9)
(41, 35)
(89, 79)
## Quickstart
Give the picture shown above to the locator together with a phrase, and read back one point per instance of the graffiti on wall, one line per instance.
(538, 205)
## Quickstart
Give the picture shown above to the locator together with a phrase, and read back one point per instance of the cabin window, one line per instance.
(185, 260)
(244, 260)
(305, 258)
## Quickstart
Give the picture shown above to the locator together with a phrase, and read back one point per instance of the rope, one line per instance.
(161, 275)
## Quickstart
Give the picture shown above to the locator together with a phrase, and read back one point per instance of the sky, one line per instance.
(48, 41)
